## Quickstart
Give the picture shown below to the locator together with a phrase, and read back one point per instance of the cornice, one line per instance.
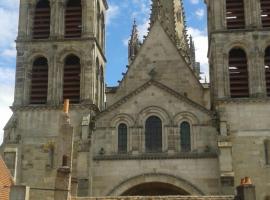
(161, 86)
(54, 107)
(242, 100)
(157, 156)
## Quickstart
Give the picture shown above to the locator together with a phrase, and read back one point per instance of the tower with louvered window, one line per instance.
(61, 55)
(239, 58)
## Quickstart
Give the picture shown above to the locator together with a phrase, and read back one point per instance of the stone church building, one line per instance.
(160, 131)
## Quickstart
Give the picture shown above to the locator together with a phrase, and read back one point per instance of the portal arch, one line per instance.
(166, 180)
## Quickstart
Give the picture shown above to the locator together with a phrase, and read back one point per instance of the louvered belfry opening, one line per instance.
(73, 19)
(235, 14)
(42, 18)
(238, 69)
(267, 69)
(71, 87)
(39, 82)
(265, 13)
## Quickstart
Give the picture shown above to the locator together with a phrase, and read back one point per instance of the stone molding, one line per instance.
(161, 86)
(157, 198)
(157, 156)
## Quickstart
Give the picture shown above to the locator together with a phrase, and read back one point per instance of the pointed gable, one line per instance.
(160, 60)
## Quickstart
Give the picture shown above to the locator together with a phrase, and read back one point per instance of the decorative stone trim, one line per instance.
(51, 107)
(161, 86)
(156, 156)
(243, 100)
(159, 198)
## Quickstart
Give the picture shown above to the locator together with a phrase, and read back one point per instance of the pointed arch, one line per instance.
(39, 81)
(72, 72)
(97, 82)
(238, 72)
(267, 69)
(73, 19)
(153, 134)
(42, 20)
(235, 14)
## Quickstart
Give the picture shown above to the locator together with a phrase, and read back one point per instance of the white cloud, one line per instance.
(6, 98)
(200, 13)
(112, 13)
(200, 39)
(194, 1)
(10, 52)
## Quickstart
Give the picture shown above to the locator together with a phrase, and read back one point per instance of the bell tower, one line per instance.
(239, 52)
(60, 55)
(61, 52)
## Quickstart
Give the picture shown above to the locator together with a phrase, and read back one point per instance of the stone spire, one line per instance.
(192, 51)
(134, 43)
(171, 15)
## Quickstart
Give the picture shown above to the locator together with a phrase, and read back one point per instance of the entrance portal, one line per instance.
(154, 189)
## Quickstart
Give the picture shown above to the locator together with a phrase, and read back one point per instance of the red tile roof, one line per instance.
(5, 180)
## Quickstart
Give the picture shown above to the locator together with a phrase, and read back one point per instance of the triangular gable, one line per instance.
(157, 50)
(162, 87)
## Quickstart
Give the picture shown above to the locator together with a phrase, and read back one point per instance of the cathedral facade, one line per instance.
(160, 131)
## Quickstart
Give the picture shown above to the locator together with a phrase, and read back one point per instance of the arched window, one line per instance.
(265, 13)
(153, 134)
(185, 138)
(122, 138)
(101, 86)
(42, 18)
(73, 19)
(71, 86)
(267, 69)
(235, 14)
(238, 70)
(97, 82)
(39, 82)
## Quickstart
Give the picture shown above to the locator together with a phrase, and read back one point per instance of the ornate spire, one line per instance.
(171, 15)
(134, 43)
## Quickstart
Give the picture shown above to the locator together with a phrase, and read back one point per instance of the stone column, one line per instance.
(23, 20)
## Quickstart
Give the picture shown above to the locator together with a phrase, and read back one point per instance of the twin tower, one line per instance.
(61, 52)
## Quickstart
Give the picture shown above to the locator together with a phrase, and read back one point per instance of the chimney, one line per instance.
(246, 190)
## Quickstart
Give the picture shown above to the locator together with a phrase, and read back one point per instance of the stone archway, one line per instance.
(154, 189)
(157, 184)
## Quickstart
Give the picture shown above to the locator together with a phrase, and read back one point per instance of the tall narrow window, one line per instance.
(267, 69)
(235, 14)
(267, 151)
(265, 13)
(122, 138)
(39, 82)
(102, 30)
(97, 82)
(238, 70)
(153, 134)
(73, 19)
(185, 138)
(72, 71)
(41, 26)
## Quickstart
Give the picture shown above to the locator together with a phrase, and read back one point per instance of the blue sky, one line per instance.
(120, 18)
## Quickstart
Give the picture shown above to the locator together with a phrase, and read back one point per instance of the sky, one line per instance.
(119, 20)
